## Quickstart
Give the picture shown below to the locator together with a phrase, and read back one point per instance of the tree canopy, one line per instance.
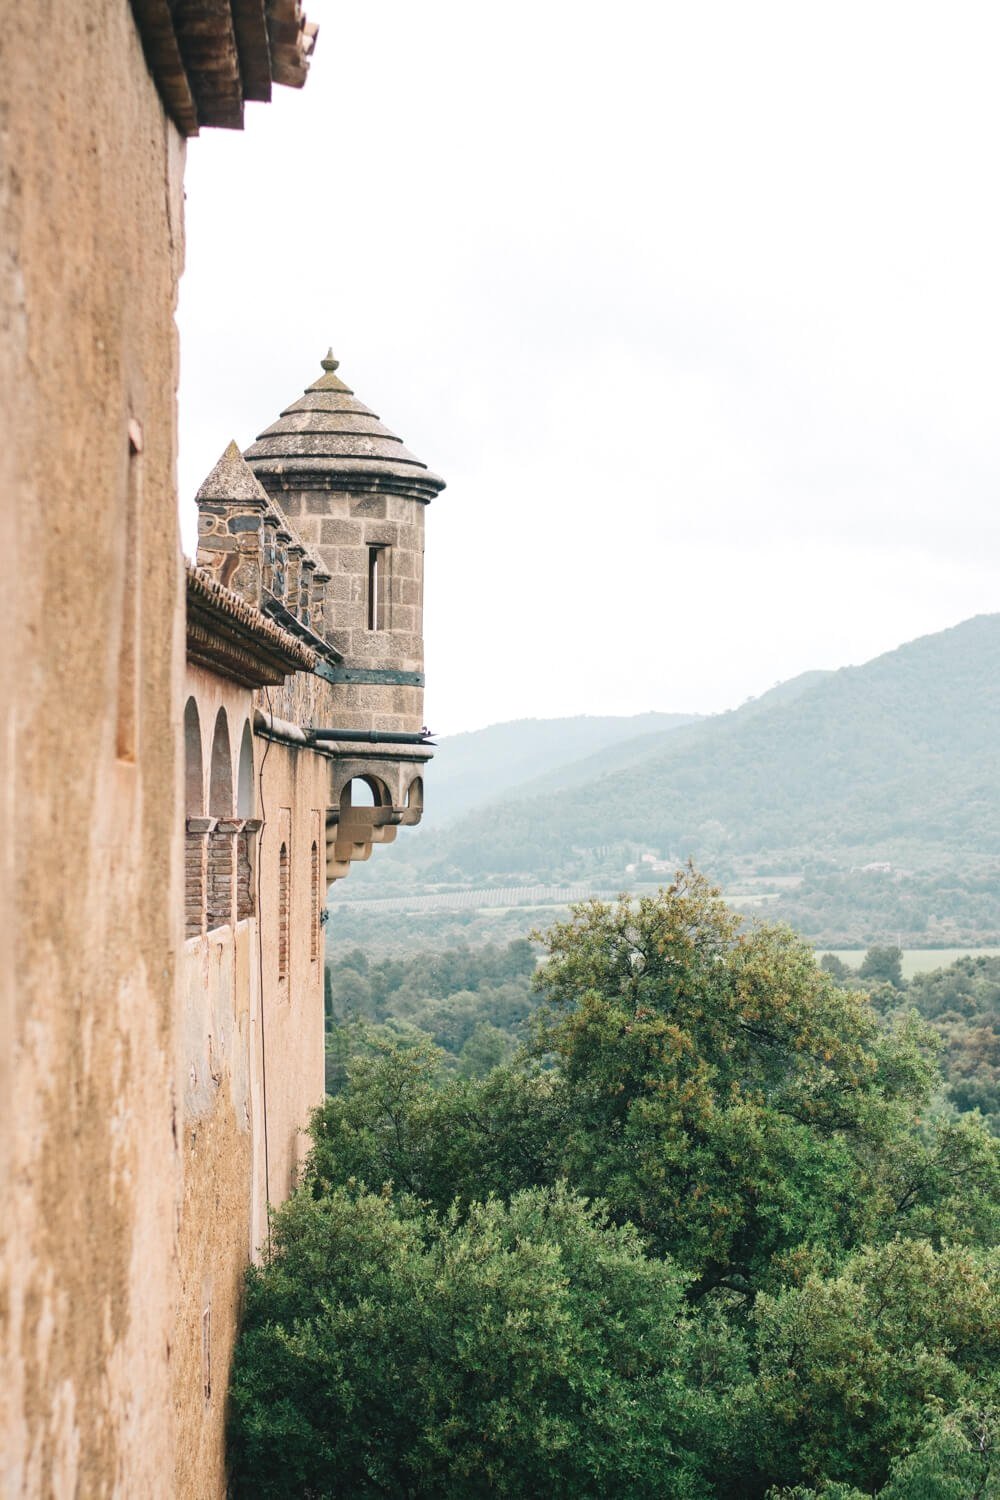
(750, 1247)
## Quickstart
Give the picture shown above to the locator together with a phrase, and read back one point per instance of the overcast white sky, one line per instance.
(695, 305)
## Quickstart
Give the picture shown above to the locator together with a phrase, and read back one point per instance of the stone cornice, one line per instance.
(297, 475)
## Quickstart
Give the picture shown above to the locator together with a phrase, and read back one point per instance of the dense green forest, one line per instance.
(860, 803)
(962, 1005)
(477, 1004)
(715, 1230)
(473, 1003)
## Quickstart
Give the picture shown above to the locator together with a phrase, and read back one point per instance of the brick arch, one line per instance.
(284, 913)
(316, 898)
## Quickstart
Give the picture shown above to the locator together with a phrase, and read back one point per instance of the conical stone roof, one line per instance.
(328, 439)
(232, 479)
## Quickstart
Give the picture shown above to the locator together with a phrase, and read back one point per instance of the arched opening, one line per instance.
(415, 794)
(194, 837)
(284, 913)
(194, 776)
(244, 780)
(245, 838)
(220, 840)
(220, 787)
(365, 791)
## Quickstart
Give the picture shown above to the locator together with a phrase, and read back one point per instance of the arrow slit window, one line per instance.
(378, 586)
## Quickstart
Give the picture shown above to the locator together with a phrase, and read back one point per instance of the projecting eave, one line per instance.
(368, 474)
(208, 59)
(227, 636)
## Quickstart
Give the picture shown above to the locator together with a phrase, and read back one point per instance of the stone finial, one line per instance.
(330, 364)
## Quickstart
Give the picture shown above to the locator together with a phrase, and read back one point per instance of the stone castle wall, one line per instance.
(167, 966)
(246, 1035)
(91, 245)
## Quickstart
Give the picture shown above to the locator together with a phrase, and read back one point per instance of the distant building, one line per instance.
(194, 751)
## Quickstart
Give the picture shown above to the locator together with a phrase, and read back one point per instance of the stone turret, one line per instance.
(356, 497)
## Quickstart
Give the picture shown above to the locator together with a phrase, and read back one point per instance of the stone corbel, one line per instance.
(351, 850)
(201, 825)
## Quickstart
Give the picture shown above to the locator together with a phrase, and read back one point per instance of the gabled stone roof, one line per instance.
(232, 479)
(328, 439)
(233, 482)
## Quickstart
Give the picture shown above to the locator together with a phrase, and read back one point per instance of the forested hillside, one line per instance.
(867, 797)
(902, 752)
(486, 763)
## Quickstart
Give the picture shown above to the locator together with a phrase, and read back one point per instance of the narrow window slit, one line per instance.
(377, 578)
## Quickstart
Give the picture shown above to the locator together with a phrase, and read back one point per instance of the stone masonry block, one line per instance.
(403, 617)
(382, 534)
(317, 503)
(341, 533)
(217, 544)
(308, 529)
(369, 505)
(338, 590)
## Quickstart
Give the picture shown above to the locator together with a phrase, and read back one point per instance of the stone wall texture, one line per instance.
(340, 527)
(246, 1038)
(90, 254)
(161, 1024)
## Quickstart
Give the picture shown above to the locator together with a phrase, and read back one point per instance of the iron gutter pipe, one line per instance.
(369, 737)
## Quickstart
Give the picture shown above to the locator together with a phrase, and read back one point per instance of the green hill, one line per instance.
(895, 763)
(628, 752)
(473, 768)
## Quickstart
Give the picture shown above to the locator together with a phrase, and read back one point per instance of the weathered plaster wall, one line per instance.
(294, 792)
(230, 1040)
(220, 998)
(90, 253)
(132, 1064)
